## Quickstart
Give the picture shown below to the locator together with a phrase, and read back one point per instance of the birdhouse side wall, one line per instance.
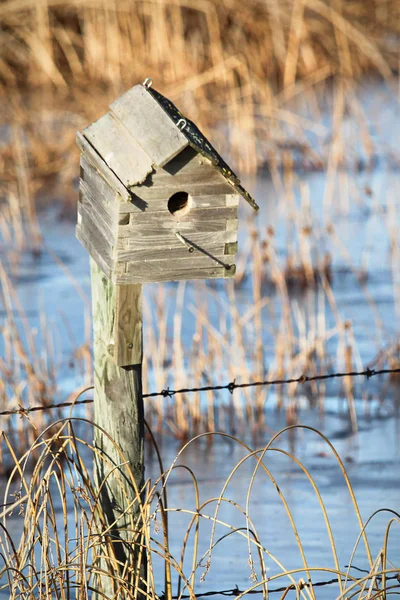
(154, 244)
(98, 216)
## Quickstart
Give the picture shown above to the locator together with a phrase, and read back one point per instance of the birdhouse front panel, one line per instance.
(181, 223)
(157, 203)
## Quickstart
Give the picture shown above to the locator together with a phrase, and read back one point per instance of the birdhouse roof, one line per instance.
(144, 130)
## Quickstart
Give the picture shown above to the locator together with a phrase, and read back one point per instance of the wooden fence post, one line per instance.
(118, 409)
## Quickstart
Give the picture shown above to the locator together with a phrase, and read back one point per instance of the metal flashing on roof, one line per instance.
(200, 143)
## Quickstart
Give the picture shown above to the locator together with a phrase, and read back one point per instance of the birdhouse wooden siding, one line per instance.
(156, 202)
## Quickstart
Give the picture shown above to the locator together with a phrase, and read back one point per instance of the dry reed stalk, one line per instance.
(349, 388)
(259, 358)
(391, 223)
(321, 347)
(361, 280)
(56, 550)
(293, 44)
(238, 362)
(25, 192)
(306, 234)
(155, 347)
(178, 366)
(197, 365)
(280, 282)
(15, 221)
(336, 148)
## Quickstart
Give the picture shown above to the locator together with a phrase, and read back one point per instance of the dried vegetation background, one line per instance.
(61, 63)
(235, 68)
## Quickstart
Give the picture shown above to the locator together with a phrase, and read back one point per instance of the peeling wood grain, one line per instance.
(187, 172)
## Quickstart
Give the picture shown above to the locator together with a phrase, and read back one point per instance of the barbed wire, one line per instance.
(368, 373)
(237, 592)
(22, 410)
(231, 387)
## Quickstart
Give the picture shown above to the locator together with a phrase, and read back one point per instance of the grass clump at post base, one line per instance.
(62, 545)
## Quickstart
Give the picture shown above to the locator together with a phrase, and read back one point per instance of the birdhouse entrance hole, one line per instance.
(179, 204)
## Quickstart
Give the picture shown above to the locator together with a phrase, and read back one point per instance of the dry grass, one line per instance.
(61, 63)
(55, 540)
(70, 42)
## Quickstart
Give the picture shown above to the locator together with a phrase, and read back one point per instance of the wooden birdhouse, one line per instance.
(157, 202)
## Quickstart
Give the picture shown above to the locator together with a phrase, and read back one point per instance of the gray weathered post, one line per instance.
(156, 203)
(118, 409)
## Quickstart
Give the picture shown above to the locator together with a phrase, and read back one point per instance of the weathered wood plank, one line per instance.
(148, 193)
(188, 262)
(188, 167)
(119, 456)
(98, 163)
(188, 171)
(96, 228)
(149, 124)
(151, 238)
(138, 205)
(107, 195)
(205, 175)
(176, 275)
(137, 229)
(128, 343)
(104, 263)
(119, 150)
(150, 253)
(154, 269)
(198, 216)
(134, 229)
(96, 210)
(98, 238)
